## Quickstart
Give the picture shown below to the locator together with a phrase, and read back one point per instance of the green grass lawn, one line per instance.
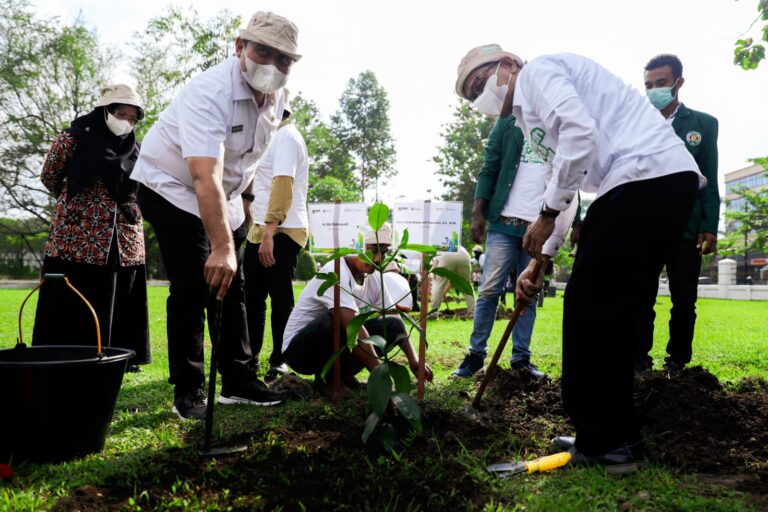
(147, 442)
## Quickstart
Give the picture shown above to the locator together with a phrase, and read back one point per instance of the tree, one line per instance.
(748, 228)
(329, 189)
(174, 47)
(362, 126)
(746, 52)
(328, 157)
(49, 75)
(460, 157)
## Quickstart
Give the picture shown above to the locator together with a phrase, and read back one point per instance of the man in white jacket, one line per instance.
(599, 135)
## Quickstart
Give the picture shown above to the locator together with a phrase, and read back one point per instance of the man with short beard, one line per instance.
(663, 80)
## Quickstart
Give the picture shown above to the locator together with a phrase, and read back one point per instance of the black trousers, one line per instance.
(312, 346)
(185, 248)
(626, 235)
(683, 268)
(275, 282)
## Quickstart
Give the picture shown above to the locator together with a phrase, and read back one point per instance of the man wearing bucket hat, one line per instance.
(196, 163)
(96, 238)
(308, 339)
(597, 134)
(279, 230)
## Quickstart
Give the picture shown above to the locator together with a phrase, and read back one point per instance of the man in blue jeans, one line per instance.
(509, 193)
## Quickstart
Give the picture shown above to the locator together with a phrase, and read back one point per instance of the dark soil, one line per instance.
(692, 424)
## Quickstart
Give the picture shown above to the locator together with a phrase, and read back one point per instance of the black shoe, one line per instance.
(526, 367)
(471, 364)
(564, 442)
(252, 391)
(191, 406)
(133, 368)
(625, 459)
(672, 368)
(277, 371)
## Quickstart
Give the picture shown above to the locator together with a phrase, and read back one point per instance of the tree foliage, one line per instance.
(328, 157)
(460, 157)
(362, 126)
(747, 53)
(174, 47)
(49, 75)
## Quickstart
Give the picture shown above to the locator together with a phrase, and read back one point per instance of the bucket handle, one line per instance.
(60, 277)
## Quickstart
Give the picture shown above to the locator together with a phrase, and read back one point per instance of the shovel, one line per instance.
(546, 463)
(215, 340)
(472, 409)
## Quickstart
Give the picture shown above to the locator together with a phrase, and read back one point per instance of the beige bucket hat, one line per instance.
(476, 57)
(273, 30)
(120, 93)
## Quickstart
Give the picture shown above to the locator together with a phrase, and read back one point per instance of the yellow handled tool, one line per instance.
(546, 463)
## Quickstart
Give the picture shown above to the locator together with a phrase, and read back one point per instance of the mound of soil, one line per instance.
(692, 423)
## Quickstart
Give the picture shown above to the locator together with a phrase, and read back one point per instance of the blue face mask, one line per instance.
(661, 97)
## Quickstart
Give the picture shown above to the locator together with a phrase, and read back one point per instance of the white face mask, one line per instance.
(491, 100)
(118, 126)
(263, 78)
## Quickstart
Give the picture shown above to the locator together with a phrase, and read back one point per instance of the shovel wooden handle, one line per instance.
(519, 308)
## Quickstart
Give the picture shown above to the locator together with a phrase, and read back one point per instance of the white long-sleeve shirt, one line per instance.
(595, 131)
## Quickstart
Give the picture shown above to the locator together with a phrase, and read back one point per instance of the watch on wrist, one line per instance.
(548, 212)
(248, 197)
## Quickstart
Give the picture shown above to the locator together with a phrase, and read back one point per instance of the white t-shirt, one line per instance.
(286, 156)
(398, 288)
(214, 115)
(524, 201)
(311, 306)
(594, 130)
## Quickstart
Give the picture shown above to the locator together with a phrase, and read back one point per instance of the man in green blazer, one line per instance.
(663, 80)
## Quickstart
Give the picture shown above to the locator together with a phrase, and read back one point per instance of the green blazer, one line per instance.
(500, 165)
(699, 132)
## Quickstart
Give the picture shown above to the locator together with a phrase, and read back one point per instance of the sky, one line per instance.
(414, 48)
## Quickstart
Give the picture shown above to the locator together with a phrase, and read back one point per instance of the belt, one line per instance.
(513, 221)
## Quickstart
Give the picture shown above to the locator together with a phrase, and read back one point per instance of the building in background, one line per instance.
(754, 178)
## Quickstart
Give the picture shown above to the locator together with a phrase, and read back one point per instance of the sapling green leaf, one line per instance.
(378, 215)
(458, 282)
(376, 341)
(329, 363)
(354, 327)
(329, 279)
(379, 389)
(400, 377)
(424, 249)
(409, 408)
(370, 425)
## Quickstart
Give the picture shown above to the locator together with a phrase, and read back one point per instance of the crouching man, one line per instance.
(308, 338)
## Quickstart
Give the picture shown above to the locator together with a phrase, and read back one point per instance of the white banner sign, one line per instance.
(429, 223)
(333, 226)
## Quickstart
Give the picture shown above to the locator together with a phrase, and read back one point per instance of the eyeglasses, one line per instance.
(267, 54)
(124, 116)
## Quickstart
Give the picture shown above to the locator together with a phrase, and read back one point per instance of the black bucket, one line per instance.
(57, 400)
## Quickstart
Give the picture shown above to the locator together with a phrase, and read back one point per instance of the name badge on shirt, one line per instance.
(238, 128)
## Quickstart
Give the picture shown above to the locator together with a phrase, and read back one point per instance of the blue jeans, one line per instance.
(503, 254)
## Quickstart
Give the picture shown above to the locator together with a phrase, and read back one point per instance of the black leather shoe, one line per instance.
(672, 368)
(622, 460)
(564, 442)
